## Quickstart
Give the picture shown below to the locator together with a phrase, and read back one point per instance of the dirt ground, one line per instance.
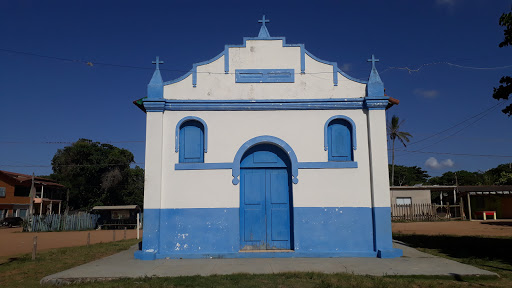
(14, 242)
(461, 228)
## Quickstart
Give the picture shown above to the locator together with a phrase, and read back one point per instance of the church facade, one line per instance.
(266, 151)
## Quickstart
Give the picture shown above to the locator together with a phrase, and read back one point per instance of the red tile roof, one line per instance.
(23, 178)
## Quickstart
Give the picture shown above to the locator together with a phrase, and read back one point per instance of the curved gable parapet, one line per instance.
(193, 71)
(335, 69)
(227, 68)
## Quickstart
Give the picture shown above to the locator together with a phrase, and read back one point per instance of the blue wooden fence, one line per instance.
(60, 222)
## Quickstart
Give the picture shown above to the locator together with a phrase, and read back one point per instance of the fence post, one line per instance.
(138, 225)
(124, 237)
(34, 248)
(88, 238)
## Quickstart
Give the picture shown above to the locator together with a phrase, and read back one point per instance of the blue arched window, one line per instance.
(340, 138)
(191, 134)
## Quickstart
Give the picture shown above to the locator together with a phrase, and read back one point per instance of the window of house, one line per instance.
(2, 191)
(403, 200)
(191, 141)
(23, 213)
(340, 139)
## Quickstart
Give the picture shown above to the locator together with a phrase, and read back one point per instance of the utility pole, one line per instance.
(456, 190)
(32, 195)
(67, 203)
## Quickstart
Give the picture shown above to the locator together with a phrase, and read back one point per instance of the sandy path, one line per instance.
(461, 228)
(13, 241)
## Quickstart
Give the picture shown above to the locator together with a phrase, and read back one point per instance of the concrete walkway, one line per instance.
(123, 265)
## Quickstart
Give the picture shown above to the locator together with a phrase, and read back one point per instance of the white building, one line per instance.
(266, 147)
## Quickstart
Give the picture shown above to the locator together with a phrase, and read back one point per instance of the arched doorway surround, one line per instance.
(266, 213)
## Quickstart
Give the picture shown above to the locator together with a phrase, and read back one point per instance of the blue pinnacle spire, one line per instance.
(375, 86)
(156, 85)
(263, 30)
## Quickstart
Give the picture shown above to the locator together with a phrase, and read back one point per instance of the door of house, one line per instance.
(265, 198)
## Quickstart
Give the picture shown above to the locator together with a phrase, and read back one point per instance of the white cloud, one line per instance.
(346, 67)
(430, 94)
(433, 163)
(446, 2)
(447, 163)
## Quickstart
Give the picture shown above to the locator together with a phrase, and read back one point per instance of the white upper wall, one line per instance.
(214, 84)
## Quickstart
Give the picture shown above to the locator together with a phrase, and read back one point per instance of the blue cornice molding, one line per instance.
(154, 105)
(376, 103)
(266, 139)
(191, 118)
(265, 105)
(160, 105)
(353, 130)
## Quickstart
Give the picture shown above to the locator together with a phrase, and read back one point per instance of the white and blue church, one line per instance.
(266, 150)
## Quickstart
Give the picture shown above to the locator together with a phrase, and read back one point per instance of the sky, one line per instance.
(71, 69)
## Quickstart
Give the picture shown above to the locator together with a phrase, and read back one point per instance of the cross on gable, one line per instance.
(158, 62)
(263, 20)
(373, 60)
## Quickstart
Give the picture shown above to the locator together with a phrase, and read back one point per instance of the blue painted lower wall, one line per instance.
(317, 232)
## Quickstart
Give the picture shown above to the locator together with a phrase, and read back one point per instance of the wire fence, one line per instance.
(61, 222)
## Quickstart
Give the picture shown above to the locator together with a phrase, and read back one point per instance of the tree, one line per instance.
(395, 133)
(500, 175)
(98, 174)
(505, 88)
(409, 176)
(461, 178)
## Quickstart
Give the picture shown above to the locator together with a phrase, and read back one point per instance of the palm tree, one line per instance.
(395, 133)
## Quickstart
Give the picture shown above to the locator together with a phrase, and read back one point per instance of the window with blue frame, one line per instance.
(339, 140)
(191, 142)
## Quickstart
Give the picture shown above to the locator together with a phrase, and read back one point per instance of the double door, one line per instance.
(265, 209)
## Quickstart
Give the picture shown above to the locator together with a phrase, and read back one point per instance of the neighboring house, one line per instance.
(117, 217)
(495, 198)
(266, 151)
(492, 198)
(15, 191)
(405, 195)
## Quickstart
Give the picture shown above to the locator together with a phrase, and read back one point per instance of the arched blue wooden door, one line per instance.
(265, 199)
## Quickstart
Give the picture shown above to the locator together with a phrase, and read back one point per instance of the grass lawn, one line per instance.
(21, 271)
(488, 253)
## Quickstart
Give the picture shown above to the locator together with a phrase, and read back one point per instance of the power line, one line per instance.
(66, 142)
(460, 130)
(91, 63)
(70, 165)
(461, 122)
(411, 70)
(460, 154)
(485, 112)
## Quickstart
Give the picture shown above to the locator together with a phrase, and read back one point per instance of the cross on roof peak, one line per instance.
(263, 21)
(158, 62)
(373, 60)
